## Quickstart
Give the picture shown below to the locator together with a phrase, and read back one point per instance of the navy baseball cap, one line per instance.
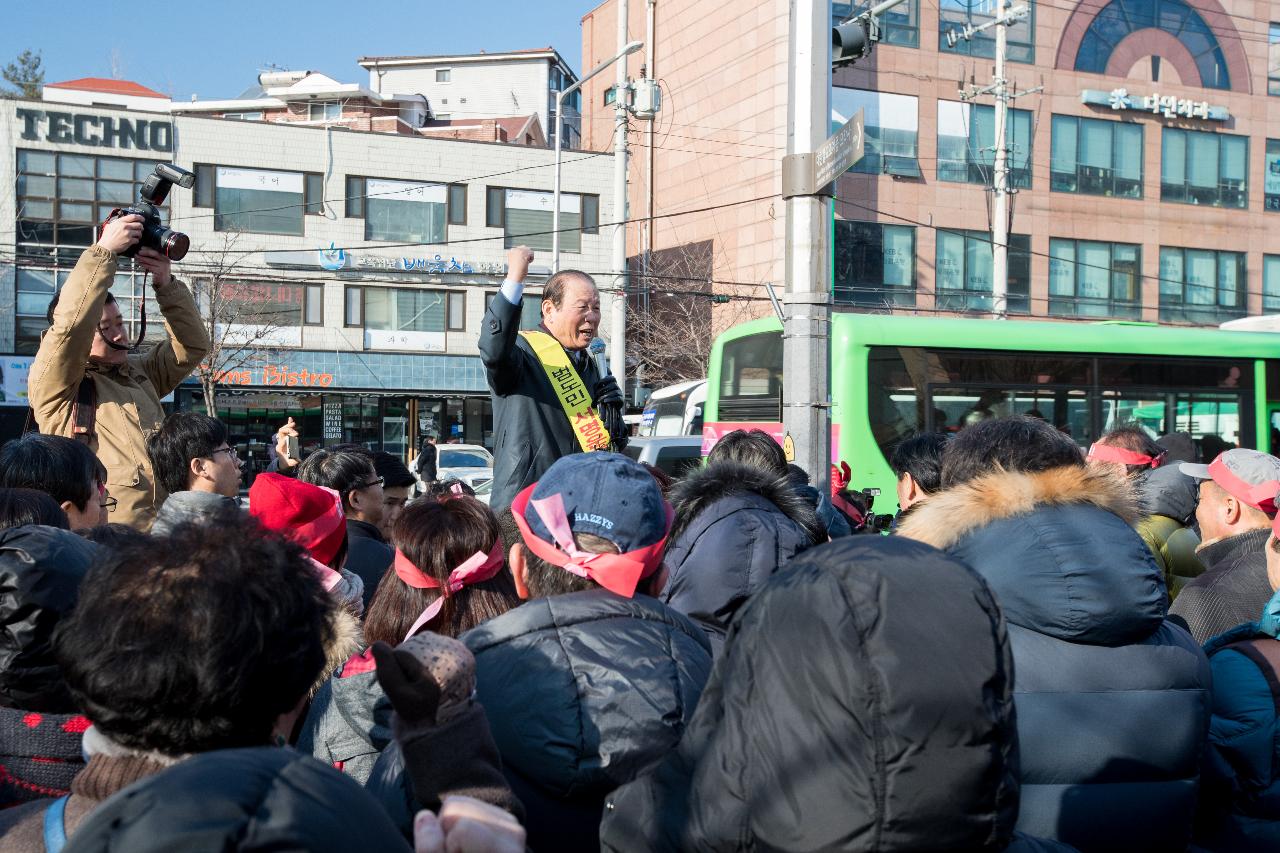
(605, 494)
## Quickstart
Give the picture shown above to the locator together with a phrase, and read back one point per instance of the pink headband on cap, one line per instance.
(1261, 496)
(475, 569)
(1110, 453)
(618, 573)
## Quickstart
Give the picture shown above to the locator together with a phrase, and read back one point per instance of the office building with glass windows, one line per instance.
(1145, 155)
(354, 267)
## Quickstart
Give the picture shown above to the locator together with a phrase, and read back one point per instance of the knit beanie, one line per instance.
(309, 515)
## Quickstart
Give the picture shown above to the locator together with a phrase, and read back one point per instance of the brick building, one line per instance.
(1147, 170)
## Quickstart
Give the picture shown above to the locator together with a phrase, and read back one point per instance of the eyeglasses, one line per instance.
(231, 452)
(375, 482)
(109, 504)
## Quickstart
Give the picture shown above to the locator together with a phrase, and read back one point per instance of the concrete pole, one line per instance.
(618, 326)
(555, 191)
(1000, 182)
(806, 345)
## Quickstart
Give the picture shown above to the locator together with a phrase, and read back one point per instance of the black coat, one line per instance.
(40, 573)
(583, 692)
(368, 555)
(1113, 699)
(735, 526)
(864, 701)
(262, 798)
(530, 428)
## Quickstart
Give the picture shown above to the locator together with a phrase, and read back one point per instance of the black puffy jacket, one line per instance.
(735, 526)
(864, 701)
(583, 692)
(40, 573)
(260, 798)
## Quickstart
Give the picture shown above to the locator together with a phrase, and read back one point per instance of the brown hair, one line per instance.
(437, 537)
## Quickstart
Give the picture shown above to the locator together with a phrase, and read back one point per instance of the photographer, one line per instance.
(87, 385)
(538, 419)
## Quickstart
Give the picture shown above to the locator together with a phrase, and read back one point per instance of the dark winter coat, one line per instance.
(1240, 803)
(368, 555)
(583, 692)
(262, 798)
(530, 428)
(735, 526)
(864, 701)
(349, 721)
(1233, 589)
(190, 506)
(1169, 501)
(1112, 699)
(40, 573)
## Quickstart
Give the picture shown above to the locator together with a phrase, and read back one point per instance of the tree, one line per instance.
(26, 76)
(246, 319)
(670, 322)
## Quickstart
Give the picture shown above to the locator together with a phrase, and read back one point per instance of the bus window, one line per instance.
(956, 408)
(751, 379)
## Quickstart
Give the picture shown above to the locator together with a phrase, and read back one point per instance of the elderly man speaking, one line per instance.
(549, 397)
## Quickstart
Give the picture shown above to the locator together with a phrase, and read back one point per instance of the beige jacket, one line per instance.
(128, 394)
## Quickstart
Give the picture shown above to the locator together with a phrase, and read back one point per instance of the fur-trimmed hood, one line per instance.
(699, 490)
(1058, 548)
(735, 526)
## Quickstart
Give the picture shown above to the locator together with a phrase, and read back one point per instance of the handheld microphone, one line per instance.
(597, 352)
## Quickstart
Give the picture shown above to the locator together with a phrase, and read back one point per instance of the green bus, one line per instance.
(892, 377)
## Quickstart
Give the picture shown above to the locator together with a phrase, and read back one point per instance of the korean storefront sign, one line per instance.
(1169, 106)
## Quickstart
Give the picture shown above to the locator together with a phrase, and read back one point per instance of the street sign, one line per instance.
(841, 150)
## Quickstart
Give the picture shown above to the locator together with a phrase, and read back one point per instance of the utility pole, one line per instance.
(806, 334)
(618, 325)
(1001, 187)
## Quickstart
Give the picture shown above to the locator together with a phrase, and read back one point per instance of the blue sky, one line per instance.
(216, 48)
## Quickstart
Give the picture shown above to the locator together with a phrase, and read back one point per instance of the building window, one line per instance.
(391, 309)
(526, 218)
(262, 304)
(442, 75)
(591, 214)
(457, 309)
(1273, 59)
(1117, 20)
(314, 191)
(963, 271)
(258, 201)
(1201, 286)
(890, 124)
(255, 115)
(1199, 167)
(353, 307)
(1271, 176)
(967, 139)
(1096, 157)
(1092, 279)
(202, 193)
(355, 197)
(1270, 284)
(457, 204)
(875, 264)
(530, 309)
(324, 111)
(313, 312)
(61, 197)
(956, 14)
(900, 25)
(403, 211)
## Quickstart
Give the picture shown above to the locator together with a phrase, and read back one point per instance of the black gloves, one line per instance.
(609, 403)
(428, 678)
(607, 391)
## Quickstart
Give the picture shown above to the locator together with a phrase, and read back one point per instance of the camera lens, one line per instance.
(175, 245)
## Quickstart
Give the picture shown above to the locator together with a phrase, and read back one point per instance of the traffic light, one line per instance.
(850, 41)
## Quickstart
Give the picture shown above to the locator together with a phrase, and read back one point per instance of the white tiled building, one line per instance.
(377, 342)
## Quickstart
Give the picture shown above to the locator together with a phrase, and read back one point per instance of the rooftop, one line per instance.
(105, 84)
(547, 52)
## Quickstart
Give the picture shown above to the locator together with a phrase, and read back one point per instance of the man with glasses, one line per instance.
(349, 471)
(194, 463)
(64, 469)
(87, 383)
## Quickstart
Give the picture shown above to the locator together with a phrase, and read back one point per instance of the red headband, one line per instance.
(1261, 496)
(1111, 453)
(618, 573)
(475, 569)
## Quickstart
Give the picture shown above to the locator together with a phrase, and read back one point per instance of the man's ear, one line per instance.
(1232, 509)
(195, 469)
(519, 568)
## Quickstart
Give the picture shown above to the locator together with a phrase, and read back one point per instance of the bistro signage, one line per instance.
(1169, 106)
(278, 375)
(96, 131)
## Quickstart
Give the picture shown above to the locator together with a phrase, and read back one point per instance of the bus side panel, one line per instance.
(851, 415)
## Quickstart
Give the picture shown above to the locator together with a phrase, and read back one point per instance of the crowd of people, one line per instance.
(1052, 650)
(1049, 650)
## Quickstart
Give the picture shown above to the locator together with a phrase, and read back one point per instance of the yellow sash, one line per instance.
(570, 390)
